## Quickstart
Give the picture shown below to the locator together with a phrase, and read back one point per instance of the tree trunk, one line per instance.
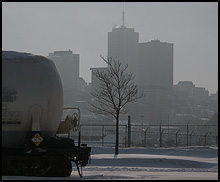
(117, 134)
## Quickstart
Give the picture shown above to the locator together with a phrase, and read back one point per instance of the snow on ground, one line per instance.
(187, 163)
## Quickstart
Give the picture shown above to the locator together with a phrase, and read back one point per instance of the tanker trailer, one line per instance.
(32, 107)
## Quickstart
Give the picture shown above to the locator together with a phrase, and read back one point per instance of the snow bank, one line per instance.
(147, 163)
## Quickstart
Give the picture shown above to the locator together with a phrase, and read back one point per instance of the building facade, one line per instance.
(123, 46)
(197, 95)
(156, 64)
(152, 64)
(95, 81)
(156, 79)
(67, 65)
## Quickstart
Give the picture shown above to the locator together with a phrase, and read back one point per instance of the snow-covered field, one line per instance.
(188, 163)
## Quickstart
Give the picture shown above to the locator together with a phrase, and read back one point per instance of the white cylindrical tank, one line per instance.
(32, 97)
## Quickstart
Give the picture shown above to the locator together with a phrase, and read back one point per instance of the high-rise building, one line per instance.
(156, 78)
(123, 46)
(152, 64)
(67, 65)
(156, 64)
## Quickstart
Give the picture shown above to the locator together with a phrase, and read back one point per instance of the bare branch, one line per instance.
(116, 89)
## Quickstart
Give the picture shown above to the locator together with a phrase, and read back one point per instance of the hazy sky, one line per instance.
(44, 27)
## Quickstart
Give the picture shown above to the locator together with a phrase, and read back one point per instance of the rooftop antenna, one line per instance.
(123, 16)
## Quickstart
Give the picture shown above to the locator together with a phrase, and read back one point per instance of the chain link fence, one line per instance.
(149, 135)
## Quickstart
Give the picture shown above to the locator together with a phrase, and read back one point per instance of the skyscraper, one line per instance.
(123, 46)
(67, 65)
(152, 64)
(156, 78)
(156, 64)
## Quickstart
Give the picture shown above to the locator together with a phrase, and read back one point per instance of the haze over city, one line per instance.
(45, 27)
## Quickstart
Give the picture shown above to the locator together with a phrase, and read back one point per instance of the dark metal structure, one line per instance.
(32, 108)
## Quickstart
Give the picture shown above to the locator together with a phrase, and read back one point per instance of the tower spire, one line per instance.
(123, 16)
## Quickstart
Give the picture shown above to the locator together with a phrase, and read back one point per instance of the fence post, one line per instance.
(129, 131)
(187, 133)
(190, 137)
(160, 135)
(145, 136)
(161, 138)
(205, 137)
(126, 130)
(217, 140)
(102, 135)
(176, 136)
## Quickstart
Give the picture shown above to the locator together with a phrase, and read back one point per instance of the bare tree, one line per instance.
(116, 89)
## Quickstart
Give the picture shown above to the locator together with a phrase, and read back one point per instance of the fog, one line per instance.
(45, 27)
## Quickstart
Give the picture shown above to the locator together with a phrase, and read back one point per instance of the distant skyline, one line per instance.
(44, 27)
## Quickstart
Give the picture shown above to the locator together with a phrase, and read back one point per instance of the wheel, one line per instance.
(5, 165)
(10, 165)
(60, 166)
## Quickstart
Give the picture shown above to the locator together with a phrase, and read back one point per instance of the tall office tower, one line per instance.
(156, 64)
(123, 46)
(67, 65)
(156, 78)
